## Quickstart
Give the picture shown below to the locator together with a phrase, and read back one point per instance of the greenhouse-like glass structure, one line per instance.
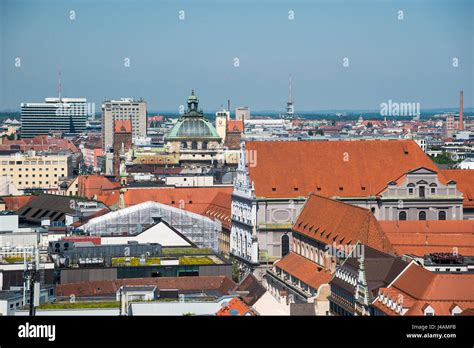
(133, 220)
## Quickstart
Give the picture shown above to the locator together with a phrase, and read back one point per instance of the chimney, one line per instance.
(461, 122)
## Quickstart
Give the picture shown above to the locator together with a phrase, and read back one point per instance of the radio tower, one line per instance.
(59, 84)
(461, 122)
(290, 109)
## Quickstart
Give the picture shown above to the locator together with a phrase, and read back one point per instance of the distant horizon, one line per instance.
(277, 112)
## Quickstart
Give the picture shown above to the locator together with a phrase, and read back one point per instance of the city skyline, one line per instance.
(99, 59)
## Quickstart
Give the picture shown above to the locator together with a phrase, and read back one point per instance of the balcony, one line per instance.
(284, 279)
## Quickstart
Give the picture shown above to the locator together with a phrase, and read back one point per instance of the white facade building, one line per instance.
(243, 236)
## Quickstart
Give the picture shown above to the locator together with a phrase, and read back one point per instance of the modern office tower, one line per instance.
(66, 115)
(242, 113)
(123, 109)
(35, 171)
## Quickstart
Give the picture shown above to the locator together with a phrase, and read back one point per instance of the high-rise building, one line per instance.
(65, 115)
(123, 109)
(242, 113)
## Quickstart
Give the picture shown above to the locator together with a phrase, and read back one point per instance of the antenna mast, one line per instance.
(289, 88)
(59, 84)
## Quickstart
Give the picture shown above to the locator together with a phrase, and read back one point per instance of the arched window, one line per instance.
(194, 145)
(442, 215)
(422, 215)
(244, 247)
(184, 145)
(285, 245)
(204, 145)
(402, 215)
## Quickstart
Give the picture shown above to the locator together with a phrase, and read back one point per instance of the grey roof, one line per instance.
(254, 290)
(53, 207)
(139, 288)
(380, 270)
(9, 294)
(302, 309)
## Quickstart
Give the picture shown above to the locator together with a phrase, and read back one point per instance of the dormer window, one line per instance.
(429, 311)
(455, 310)
(421, 191)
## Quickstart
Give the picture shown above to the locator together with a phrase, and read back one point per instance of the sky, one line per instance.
(142, 48)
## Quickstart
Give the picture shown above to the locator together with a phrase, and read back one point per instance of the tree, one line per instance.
(235, 272)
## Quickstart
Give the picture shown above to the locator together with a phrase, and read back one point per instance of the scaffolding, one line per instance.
(199, 229)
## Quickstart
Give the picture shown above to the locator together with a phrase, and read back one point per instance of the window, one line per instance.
(433, 191)
(422, 215)
(442, 215)
(402, 215)
(204, 145)
(421, 191)
(184, 145)
(410, 191)
(194, 145)
(285, 245)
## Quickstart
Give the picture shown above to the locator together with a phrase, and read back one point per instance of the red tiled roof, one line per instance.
(194, 199)
(235, 126)
(109, 198)
(425, 237)
(123, 126)
(16, 202)
(220, 208)
(417, 288)
(465, 183)
(41, 143)
(235, 307)
(91, 185)
(330, 221)
(303, 269)
(331, 168)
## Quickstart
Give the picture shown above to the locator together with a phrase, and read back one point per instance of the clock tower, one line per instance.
(222, 117)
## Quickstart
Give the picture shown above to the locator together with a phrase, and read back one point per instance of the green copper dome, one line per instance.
(193, 125)
(192, 128)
